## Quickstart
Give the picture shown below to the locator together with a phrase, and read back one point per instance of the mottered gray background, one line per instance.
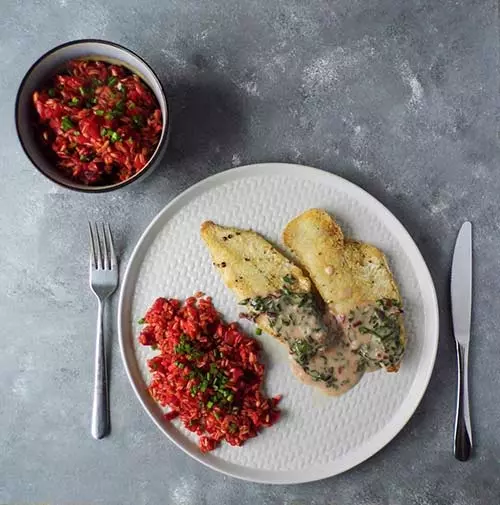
(399, 97)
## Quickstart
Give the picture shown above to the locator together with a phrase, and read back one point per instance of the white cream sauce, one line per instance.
(374, 332)
(329, 353)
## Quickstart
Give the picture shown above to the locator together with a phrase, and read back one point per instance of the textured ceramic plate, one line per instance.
(317, 436)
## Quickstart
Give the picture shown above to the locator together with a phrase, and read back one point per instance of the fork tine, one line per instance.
(105, 261)
(112, 253)
(98, 248)
(93, 263)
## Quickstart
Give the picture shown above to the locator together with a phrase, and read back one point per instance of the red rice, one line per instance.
(101, 122)
(208, 372)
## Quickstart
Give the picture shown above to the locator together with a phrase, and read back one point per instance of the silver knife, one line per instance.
(461, 306)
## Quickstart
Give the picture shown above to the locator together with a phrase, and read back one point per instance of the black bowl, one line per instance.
(48, 65)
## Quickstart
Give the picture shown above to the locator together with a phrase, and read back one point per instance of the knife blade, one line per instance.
(461, 308)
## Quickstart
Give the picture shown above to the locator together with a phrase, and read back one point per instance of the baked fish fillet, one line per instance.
(249, 265)
(347, 274)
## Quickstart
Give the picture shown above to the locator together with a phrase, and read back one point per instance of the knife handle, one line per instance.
(463, 432)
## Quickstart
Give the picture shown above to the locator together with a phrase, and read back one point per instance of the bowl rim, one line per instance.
(159, 148)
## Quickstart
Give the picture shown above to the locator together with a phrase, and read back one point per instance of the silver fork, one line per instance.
(103, 282)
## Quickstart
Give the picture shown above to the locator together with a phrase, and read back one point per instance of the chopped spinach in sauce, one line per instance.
(375, 332)
(333, 357)
(298, 321)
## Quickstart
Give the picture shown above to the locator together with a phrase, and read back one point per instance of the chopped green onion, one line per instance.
(141, 320)
(52, 92)
(210, 404)
(66, 123)
(104, 132)
(99, 112)
(109, 115)
(76, 133)
(131, 105)
(82, 90)
(258, 331)
(138, 120)
(74, 101)
(112, 81)
(216, 415)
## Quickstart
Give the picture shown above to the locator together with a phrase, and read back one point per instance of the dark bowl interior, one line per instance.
(45, 68)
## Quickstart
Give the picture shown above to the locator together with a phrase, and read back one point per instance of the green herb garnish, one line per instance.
(112, 81)
(99, 112)
(52, 92)
(138, 120)
(302, 351)
(66, 123)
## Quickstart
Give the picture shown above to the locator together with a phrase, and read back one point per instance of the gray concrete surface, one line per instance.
(398, 96)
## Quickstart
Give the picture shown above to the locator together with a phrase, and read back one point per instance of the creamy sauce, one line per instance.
(337, 357)
(374, 332)
(331, 353)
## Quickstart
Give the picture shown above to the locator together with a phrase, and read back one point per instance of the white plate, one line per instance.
(317, 436)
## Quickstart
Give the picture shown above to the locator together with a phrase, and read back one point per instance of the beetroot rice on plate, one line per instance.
(207, 371)
(99, 121)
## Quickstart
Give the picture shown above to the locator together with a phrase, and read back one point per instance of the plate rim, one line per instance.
(352, 458)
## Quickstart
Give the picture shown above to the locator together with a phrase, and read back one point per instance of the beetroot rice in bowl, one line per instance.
(100, 120)
(92, 116)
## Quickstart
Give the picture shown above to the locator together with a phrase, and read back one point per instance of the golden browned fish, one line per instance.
(348, 274)
(249, 265)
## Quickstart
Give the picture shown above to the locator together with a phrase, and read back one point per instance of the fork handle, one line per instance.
(100, 406)
(463, 433)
